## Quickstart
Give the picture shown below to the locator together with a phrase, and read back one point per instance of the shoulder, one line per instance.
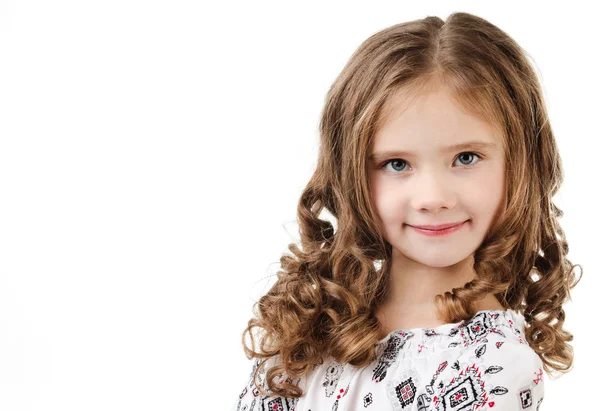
(490, 364)
(513, 356)
(250, 396)
(501, 372)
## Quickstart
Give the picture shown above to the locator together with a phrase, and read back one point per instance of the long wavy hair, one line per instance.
(328, 289)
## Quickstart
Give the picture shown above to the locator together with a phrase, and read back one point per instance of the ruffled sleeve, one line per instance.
(250, 397)
(495, 374)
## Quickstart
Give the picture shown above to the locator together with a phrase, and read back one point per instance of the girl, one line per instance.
(442, 284)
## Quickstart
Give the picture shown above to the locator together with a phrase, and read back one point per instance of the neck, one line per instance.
(412, 288)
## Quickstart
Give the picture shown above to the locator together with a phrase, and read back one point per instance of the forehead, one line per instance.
(430, 121)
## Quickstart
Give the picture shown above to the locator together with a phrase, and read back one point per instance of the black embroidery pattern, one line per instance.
(464, 392)
(332, 377)
(249, 384)
(277, 404)
(467, 390)
(402, 391)
(456, 365)
(405, 392)
(423, 402)
(430, 332)
(526, 398)
(441, 367)
(367, 400)
(270, 403)
(478, 327)
(389, 355)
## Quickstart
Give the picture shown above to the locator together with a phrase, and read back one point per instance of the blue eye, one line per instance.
(394, 161)
(468, 153)
(399, 164)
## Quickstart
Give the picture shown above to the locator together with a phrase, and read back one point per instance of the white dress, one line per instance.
(481, 364)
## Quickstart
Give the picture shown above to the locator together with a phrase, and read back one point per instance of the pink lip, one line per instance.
(437, 227)
(447, 229)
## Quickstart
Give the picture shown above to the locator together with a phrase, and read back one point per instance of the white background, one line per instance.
(152, 154)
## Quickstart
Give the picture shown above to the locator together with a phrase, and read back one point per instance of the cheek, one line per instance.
(387, 201)
(491, 193)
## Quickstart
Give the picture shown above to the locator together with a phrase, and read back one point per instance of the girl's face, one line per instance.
(419, 175)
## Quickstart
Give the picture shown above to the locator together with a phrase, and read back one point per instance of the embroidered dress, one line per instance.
(484, 363)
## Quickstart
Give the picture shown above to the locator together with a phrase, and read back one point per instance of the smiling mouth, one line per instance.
(437, 227)
(439, 232)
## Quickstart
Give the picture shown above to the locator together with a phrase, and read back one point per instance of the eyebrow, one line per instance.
(474, 145)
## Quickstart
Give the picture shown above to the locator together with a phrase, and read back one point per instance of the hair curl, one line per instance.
(327, 291)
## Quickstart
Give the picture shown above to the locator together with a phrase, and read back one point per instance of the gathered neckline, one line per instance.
(447, 329)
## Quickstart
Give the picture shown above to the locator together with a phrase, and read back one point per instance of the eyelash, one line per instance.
(481, 157)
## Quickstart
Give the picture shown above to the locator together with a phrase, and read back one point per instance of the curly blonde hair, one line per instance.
(328, 289)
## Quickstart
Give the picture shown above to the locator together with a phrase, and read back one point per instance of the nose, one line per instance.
(432, 192)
